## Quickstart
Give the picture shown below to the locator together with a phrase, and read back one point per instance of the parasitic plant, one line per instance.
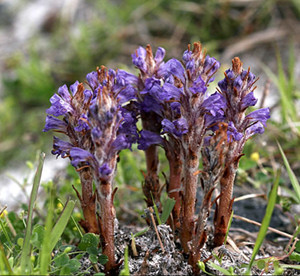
(176, 113)
(98, 127)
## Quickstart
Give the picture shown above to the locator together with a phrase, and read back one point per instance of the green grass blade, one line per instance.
(290, 266)
(291, 174)
(125, 271)
(61, 224)
(228, 228)
(156, 211)
(291, 68)
(2, 226)
(287, 104)
(140, 233)
(74, 221)
(45, 254)
(167, 209)
(266, 221)
(26, 252)
(4, 261)
(219, 268)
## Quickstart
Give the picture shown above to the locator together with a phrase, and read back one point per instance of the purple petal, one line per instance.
(260, 115)
(174, 67)
(92, 79)
(60, 147)
(53, 123)
(177, 127)
(233, 133)
(74, 87)
(211, 65)
(151, 104)
(63, 91)
(121, 142)
(248, 100)
(129, 78)
(160, 54)
(82, 123)
(214, 104)
(171, 92)
(238, 82)
(138, 59)
(256, 128)
(59, 107)
(105, 170)
(79, 155)
(187, 55)
(149, 138)
(198, 86)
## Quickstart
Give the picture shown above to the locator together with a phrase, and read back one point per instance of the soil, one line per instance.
(152, 259)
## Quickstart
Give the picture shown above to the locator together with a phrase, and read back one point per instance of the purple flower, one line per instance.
(177, 127)
(259, 115)
(92, 79)
(74, 87)
(63, 91)
(176, 107)
(198, 86)
(150, 104)
(159, 55)
(248, 100)
(175, 68)
(55, 124)
(81, 156)
(211, 122)
(250, 76)
(60, 147)
(257, 128)
(96, 133)
(211, 66)
(233, 133)
(214, 104)
(121, 142)
(153, 88)
(148, 65)
(128, 127)
(171, 92)
(148, 138)
(105, 170)
(59, 106)
(83, 124)
(123, 77)
(200, 65)
(138, 59)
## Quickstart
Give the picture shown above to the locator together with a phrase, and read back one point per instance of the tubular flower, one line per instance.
(237, 95)
(98, 126)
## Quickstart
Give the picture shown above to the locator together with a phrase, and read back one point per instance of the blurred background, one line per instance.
(45, 44)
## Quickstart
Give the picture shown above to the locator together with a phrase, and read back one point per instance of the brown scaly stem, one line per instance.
(200, 236)
(106, 221)
(224, 208)
(87, 201)
(213, 157)
(151, 185)
(189, 198)
(173, 187)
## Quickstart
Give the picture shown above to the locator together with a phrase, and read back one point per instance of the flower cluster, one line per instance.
(177, 113)
(97, 125)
